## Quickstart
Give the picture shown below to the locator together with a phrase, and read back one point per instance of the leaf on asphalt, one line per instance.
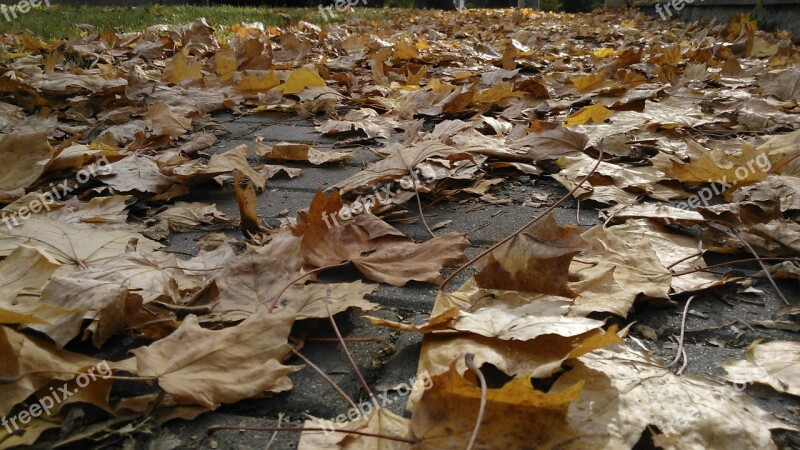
(513, 411)
(775, 363)
(299, 152)
(396, 166)
(379, 421)
(186, 363)
(73, 246)
(184, 217)
(390, 258)
(614, 272)
(525, 322)
(536, 261)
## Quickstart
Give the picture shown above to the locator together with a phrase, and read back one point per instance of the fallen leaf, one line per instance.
(775, 363)
(186, 363)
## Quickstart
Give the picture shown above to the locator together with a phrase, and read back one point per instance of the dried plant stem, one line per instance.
(275, 434)
(372, 339)
(683, 333)
(215, 428)
(536, 219)
(738, 261)
(350, 357)
(469, 359)
(766, 271)
(326, 378)
(419, 203)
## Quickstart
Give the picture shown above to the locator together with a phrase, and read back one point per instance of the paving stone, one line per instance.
(313, 177)
(292, 133)
(241, 130)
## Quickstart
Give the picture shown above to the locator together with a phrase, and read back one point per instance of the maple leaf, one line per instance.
(388, 258)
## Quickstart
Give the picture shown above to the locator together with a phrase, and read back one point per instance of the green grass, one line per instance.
(61, 21)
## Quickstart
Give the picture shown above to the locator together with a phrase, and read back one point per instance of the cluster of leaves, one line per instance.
(453, 97)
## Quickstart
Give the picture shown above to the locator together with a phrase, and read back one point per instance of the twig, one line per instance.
(685, 362)
(275, 434)
(327, 378)
(158, 400)
(419, 203)
(215, 428)
(535, 219)
(372, 339)
(766, 271)
(349, 356)
(578, 213)
(738, 261)
(469, 358)
(291, 283)
(683, 332)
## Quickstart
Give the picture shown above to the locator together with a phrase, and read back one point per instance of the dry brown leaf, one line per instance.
(380, 421)
(614, 272)
(775, 363)
(439, 415)
(299, 152)
(24, 158)
(390, 258)
(30, 364)
(184, 216)
(536, 261)
(71, 245)
(187, 363)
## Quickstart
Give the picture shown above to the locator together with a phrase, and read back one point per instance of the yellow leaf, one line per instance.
(597, 113)
(404, 50)
(415, 78)
(16, 55)
(422, 44)
(462, 75)
(179, 71)
(591, 82)
(226, 62)
(301, 79)
(498, 92)
(263, 82)
(750, 166)
(604, 52)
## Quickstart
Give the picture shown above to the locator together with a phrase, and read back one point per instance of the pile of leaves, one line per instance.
(629, 114)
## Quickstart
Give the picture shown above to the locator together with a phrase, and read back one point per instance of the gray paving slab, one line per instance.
(278, 132)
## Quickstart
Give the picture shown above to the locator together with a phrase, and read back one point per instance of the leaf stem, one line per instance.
(301, 429)
(536, 219)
